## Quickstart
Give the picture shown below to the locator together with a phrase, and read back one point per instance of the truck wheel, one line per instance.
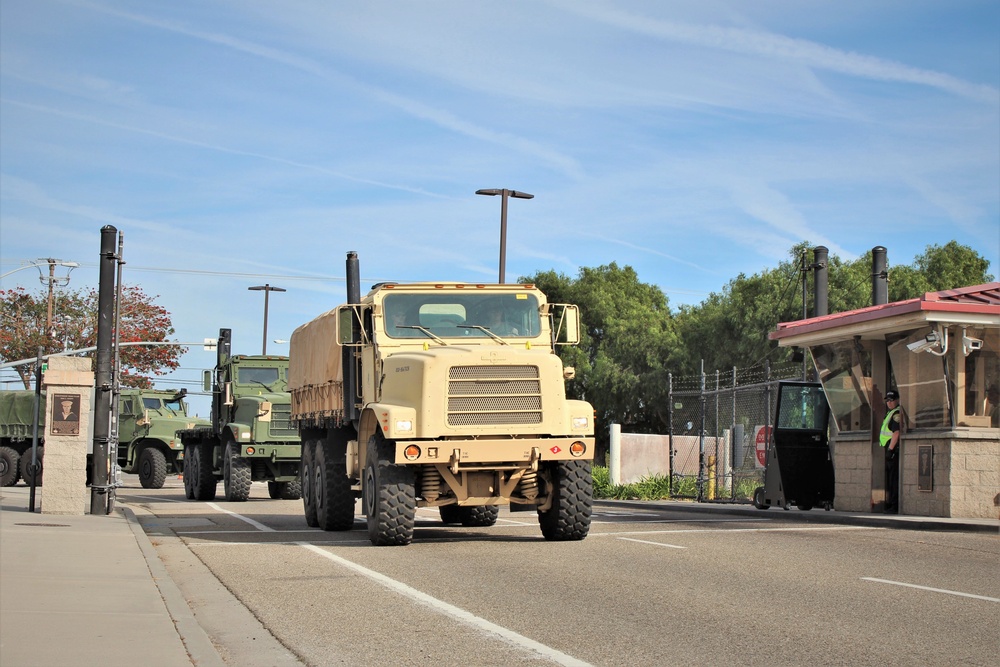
(572, 489)
(152, 468)
(390, 498)
(235, 475)
(307, 469)
(332, 492)
(26, 473)
(450, 514)
(758, 499)
(273, 490)
(479, 516)
(9, 474)
(199, 463)
(290, 490)
(188, 474)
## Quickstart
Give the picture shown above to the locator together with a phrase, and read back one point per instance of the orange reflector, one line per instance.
(250, 451)
(578, 448)
(412, 452)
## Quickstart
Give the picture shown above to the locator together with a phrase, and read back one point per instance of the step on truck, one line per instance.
(250, 437)
(148, 420)
(444, 395)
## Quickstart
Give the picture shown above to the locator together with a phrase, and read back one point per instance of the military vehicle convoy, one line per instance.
(444, 395)
(148, 420)
(250, 437)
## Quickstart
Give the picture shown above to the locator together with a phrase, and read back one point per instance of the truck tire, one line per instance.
(572, 488)
(9, 474)
(389, 495)
(290, 490)
(450, 514)
(334, 498)
(152, 468)
(235, 475)
(25, 466)
(198, 467)
(284, 490)
(479, 515)
(187, 472)
(307, 469)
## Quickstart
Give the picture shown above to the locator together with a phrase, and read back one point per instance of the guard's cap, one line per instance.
(892, 395)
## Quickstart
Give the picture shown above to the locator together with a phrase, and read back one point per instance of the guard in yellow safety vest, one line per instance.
(889, 439)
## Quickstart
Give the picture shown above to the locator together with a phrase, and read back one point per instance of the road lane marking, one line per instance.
(932, 590)
(733, 530)
(457, 613)
(658, 544)
(256, 524)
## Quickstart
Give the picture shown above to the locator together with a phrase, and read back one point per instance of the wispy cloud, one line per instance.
(779, 47)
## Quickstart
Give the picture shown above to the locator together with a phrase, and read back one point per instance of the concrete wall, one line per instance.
(965, 481)
(637, 455)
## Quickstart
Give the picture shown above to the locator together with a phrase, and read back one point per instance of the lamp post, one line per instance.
(267, 289)
(504, 193)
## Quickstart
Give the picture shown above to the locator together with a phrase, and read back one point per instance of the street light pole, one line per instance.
(267, 289)
(504, 194)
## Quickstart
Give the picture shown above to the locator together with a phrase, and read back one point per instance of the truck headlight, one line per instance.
(404, 425)
(581, 422)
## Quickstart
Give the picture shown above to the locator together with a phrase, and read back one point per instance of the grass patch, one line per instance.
(657, 487)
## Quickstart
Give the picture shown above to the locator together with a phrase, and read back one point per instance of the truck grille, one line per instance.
(494, 395)
(281, 421)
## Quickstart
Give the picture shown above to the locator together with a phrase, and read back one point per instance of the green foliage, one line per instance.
(632, 341)
(24, 327)
(652, 487)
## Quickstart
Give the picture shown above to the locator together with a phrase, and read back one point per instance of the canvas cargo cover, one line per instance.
(314, 357)
(17, 414)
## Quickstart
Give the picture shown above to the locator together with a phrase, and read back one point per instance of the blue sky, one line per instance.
(237, 143)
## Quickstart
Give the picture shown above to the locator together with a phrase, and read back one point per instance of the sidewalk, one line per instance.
(89, 590)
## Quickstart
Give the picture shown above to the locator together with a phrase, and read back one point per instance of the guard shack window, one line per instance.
(845, 369)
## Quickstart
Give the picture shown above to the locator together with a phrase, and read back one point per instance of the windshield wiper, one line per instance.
(485, 330)
(420, 328)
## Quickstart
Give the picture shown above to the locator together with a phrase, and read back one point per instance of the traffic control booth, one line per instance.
(941, 351)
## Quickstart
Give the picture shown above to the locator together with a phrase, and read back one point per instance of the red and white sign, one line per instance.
(761, 437)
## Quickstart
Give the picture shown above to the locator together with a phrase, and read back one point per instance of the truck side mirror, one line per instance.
(227, 390)
(566, 320)
(207, 380)
(345, 325)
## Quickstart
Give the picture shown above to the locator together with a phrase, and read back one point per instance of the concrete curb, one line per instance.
(899, 521)
(198, 644)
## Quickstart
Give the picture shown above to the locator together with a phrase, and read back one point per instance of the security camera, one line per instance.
(921, 345)
(926, 343)
(970, 344)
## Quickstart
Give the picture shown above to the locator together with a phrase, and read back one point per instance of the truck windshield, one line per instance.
(456, 314)
(251, 375)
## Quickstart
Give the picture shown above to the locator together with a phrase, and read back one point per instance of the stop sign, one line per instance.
(762, 435)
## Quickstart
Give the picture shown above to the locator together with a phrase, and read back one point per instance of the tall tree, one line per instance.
(23, 329)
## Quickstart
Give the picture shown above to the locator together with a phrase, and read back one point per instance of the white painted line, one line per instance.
(457, 613)
(256, 524)
(932, 590)
(734, 530)
(658, 544)
(157, 499)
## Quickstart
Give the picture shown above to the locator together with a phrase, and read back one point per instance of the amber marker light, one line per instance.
(412, 452)
(578, 448)
(250, 451)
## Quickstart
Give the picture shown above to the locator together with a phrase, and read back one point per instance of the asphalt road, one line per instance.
(651, 585)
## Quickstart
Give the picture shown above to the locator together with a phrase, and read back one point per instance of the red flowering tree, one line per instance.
(24, 320)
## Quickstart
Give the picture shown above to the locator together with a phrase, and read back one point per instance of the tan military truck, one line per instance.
(444, 395)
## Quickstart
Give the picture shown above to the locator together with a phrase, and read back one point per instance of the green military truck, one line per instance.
(250, 437)
(148, 420)
(445, 395)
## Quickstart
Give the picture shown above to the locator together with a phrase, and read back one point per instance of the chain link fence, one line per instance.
(719, 425)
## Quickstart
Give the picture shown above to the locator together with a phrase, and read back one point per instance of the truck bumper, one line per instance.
(271, 452)
(462, 452)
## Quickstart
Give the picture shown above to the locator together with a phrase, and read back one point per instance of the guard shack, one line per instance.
(942, 353)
